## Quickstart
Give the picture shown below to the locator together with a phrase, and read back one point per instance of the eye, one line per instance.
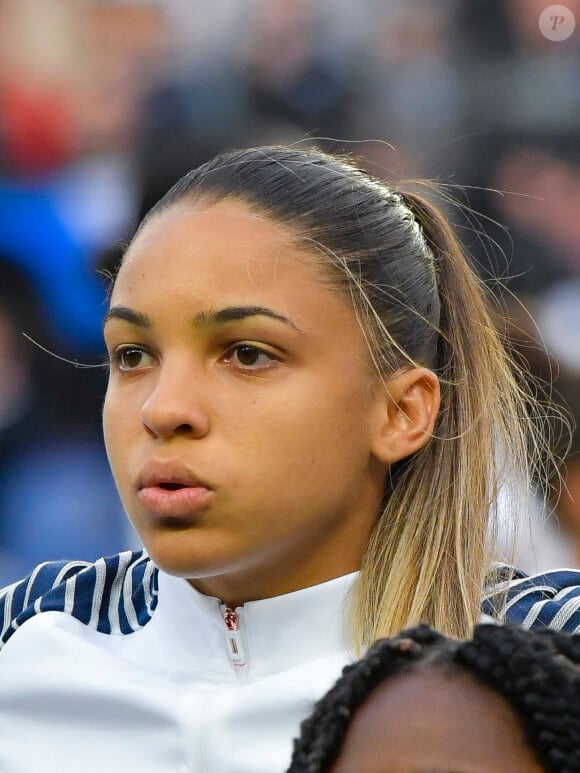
(248, 356)
(128, 358)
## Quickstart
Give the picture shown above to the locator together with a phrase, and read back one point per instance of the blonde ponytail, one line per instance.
(434, 542)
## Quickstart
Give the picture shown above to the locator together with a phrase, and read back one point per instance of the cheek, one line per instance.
(312, 431)
(116, 432)
(107, 418)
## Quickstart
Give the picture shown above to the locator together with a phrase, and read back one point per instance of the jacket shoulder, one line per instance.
(114, 595)
(545, 600)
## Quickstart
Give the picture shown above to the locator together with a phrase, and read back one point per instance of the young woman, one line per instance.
(306, 410)
(507, 699)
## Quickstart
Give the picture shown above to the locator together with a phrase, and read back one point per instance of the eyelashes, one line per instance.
(244, 356)
(128, 358)
(250, 356)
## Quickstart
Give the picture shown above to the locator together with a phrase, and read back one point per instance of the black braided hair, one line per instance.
(535, 671)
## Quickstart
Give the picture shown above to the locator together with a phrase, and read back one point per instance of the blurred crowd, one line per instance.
(105, 103)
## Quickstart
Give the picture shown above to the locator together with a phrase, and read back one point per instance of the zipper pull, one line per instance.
(234, 637)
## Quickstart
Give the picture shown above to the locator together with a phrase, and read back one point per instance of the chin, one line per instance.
(184, 556)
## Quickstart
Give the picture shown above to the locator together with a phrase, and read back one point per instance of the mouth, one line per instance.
(168, 488)
(169, 475)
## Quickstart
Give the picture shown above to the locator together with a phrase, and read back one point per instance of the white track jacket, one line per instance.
(119, 667)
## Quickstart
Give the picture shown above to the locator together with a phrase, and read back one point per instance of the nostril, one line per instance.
(183, 429)
(164, 417)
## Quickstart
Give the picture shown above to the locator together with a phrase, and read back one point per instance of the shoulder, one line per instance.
(114, 595)
(546, 600)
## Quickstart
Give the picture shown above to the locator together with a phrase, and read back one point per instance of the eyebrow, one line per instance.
(201, 319)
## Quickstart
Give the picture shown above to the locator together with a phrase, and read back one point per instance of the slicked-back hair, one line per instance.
(537, 673)
(395, 258)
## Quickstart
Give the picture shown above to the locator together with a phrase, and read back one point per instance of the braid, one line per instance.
(537, 676)
(324, 731)
(536, 672)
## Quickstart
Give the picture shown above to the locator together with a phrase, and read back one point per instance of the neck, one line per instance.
(227, 588)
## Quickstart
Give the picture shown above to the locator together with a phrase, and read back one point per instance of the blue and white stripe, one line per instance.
(548, 600)
(118, 595)
(115, 595)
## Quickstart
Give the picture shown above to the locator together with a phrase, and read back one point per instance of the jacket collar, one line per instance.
(276, 633)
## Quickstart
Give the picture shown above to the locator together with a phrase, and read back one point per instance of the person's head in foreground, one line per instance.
(305, 381)
(505, 701)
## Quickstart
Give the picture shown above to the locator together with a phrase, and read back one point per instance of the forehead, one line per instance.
(429, 720)
(192, 257)
(228, 236)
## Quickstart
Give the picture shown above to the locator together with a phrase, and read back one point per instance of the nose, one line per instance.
(176, 405)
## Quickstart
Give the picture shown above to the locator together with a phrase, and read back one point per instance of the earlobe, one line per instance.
(406, 411)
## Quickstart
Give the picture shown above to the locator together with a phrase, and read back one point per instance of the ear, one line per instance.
(405, 413)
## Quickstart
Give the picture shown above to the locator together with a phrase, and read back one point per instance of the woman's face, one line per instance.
(240, 410)
(432, 722)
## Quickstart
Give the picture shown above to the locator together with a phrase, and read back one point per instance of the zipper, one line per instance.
(234, 637)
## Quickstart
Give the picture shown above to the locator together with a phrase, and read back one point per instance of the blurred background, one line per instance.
(103, 105)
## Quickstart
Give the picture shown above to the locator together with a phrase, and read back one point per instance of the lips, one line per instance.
(170, 488)
(170, 474)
